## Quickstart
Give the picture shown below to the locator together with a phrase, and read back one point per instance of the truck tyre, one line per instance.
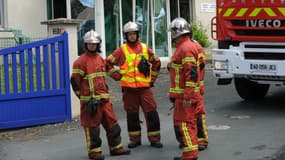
(249, 90)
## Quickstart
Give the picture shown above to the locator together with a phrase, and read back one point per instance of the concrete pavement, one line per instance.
(67, 141)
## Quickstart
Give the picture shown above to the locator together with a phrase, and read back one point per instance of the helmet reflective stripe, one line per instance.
(178, 27)
(92, 37)
(130, 27)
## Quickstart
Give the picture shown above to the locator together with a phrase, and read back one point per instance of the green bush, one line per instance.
(199, 34)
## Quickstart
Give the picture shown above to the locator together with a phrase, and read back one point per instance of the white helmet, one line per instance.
(92, 37)
(179, 26)
(131, 27)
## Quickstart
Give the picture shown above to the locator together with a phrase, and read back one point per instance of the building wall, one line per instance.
(203, 15)
(27, 17)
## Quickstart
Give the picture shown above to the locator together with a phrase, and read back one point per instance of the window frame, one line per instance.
(2, 13)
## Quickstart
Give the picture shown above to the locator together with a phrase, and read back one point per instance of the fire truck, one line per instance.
(251, 45)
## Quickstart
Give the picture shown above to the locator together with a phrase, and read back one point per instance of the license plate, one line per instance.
(263, 67)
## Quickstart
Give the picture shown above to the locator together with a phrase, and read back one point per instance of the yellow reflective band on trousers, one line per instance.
(205, 130)
(95, 150)
(131, 77)
(155, 133)
(190, 146)
(135, 133)
(88, 142)
(116, 147)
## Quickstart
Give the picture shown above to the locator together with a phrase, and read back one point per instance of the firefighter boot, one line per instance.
(98, 157)
(179, 158)
(134, 144)
(156, 144)
(119, 152)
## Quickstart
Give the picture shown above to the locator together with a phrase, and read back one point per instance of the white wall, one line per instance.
(204, 16)
(26, 15)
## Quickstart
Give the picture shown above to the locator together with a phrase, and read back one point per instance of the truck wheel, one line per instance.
(249, 90)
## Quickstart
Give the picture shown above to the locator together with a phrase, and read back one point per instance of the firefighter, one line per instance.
(184, 89)
(137, 67)
(200, 110)
(89, 84)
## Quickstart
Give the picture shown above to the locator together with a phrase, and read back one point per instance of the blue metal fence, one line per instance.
(34, 83)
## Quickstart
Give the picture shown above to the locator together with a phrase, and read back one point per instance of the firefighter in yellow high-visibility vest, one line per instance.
(138, 70)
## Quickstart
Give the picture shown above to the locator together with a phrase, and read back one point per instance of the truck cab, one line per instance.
(251, 45)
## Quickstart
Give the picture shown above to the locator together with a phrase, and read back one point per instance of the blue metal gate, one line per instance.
(34, 83)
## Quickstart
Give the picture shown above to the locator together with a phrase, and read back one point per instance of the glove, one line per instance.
(144, 67)
(92, 106)
(116, 76)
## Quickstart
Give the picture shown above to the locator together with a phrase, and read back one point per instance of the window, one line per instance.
(112, 25)
(160, 28)
(84, 12)
(56, 9)
(1, 13)
(143, 19)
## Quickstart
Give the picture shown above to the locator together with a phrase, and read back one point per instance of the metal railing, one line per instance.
(10, 42)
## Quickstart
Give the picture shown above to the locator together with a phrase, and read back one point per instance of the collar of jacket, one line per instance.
(182, 40)
(91, 54)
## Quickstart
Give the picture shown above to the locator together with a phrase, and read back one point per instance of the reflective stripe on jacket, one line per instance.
(202, 61)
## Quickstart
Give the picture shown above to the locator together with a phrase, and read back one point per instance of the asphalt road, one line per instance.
(238, 130)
